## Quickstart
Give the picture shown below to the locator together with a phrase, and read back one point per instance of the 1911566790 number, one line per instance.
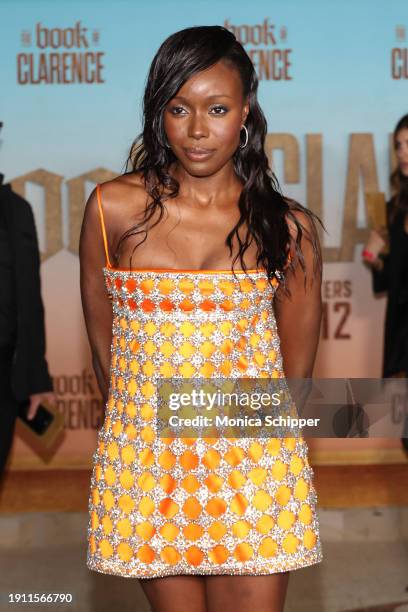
(40, 598)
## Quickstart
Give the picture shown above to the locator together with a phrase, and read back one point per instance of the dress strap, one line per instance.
(105, 240)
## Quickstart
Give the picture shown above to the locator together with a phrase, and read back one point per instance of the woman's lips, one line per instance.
(197, 154)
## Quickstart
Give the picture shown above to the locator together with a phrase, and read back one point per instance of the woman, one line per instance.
(204, 524)
(390, 271)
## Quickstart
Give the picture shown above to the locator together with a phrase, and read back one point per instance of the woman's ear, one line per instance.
(245, 111)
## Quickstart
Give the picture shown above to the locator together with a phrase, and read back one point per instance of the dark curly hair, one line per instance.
(262, 206)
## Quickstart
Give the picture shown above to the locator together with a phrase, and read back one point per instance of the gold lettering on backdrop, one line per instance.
(272, 64)
(324, 327)
(345, 309)
(314, 176)
(314, 188)
(336, 289)
(290, 148)
(361, 162)
(81, 413)
(78, 400)
(76, 202)
(61, 56)
(399, 63)
(51, 184)
(264, 43)
(336, 312)
(62, 68)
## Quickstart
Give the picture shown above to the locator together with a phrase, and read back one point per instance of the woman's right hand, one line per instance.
(376, 241)
(376, 263)
(382, 232)
(372, 261)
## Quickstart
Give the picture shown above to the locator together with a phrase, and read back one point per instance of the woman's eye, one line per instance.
(219, 110)
(177, 110)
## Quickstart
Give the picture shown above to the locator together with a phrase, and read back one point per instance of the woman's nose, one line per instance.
(197, 127)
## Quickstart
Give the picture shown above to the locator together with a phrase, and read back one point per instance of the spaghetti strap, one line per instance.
(105, 240)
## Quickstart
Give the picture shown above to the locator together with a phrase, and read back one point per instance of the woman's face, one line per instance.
(203, 121)
(401, 150)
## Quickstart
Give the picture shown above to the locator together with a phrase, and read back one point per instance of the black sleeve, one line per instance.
(39, 379)
(381, 277)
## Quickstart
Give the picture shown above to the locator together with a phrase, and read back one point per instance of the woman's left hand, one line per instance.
(36, 399)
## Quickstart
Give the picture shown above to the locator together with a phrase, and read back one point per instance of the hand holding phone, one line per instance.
(46, 424)
(41, 420)
(39, 398)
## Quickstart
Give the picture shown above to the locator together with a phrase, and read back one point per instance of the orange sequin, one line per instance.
(166, 305)
(207, 305)
(187, 305)
(147, 305)
(130, 285)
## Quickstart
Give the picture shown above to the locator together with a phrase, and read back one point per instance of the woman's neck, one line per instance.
(207, 190)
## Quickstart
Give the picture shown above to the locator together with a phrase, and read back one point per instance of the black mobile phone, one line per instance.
(42, 420)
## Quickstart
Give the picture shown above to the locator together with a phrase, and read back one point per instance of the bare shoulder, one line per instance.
(298, 214)
(304, 237)
(123, 196)
(120, 197)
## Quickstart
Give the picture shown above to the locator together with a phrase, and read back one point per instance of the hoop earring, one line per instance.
(242, 146)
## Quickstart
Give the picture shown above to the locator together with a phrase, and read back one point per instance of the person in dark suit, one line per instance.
(23, 368)
(390, 271)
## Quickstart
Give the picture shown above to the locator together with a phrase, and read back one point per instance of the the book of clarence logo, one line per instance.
(266, 45)
(60, 56)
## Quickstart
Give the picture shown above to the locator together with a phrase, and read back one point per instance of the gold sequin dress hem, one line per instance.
(253, 569)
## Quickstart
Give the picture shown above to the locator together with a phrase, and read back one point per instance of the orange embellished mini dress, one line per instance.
(160, 506)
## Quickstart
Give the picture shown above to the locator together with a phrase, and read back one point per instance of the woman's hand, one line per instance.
(36, 399)
(382, 232)
(372, 261)
(376, 263)
(375, 244)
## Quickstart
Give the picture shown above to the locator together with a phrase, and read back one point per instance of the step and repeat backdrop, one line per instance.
(333, 83)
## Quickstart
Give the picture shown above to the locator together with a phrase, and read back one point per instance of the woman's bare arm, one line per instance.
(96, 304)
(298, 316)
